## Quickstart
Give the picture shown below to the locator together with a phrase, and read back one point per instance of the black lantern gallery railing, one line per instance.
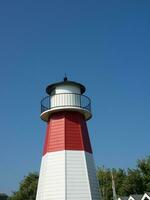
(65, 100)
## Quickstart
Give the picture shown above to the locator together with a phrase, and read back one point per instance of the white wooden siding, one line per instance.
(68, 175)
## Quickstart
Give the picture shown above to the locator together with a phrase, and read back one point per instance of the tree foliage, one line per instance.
(144, 168)
(105, 181)
(3, 196)
(130, 181)
(27, 189)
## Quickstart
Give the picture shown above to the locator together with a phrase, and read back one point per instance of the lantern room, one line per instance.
(65, 95)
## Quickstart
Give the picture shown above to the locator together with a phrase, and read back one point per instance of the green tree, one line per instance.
(105, 182)
(133, 184)
(144, 168)
(104, 178)
(3, 196)
(119, 178)
(27, 189)
(131, 181)
(138, 180)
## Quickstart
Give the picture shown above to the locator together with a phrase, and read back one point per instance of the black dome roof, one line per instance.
(51, 87)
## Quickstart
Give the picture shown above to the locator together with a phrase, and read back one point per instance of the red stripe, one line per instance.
(67, 131)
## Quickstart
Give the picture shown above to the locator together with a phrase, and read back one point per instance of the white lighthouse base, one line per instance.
(68, 175)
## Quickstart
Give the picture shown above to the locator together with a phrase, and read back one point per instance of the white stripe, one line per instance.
(67, 175)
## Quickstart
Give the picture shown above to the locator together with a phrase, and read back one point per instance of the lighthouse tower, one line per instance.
(67, 169)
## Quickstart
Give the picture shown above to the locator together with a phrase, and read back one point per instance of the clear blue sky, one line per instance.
(102, 44)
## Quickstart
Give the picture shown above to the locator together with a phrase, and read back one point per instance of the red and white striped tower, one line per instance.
(67, 169)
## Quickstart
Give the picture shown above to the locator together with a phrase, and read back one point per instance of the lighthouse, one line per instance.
(67, 169)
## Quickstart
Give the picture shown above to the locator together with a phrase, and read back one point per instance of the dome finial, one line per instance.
(65, 78)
